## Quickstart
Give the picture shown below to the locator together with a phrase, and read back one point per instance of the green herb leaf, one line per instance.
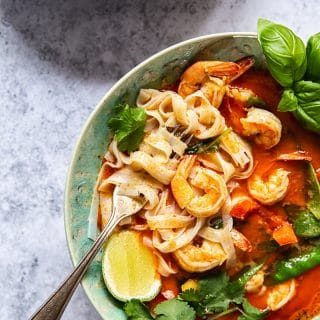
(252, 313)
(314, 192)
(136, 310)
(212, 285)
(288, 102)
(194, 299)
(216, 293)
(190, 295)
(284, 51)
(208, 145)
(174, 310)
(313, 57)
(127, 124)
(307, 91)
(309, 115)
(308, 110)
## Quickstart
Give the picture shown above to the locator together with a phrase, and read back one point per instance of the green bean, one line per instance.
(294, 266)
(306, 225)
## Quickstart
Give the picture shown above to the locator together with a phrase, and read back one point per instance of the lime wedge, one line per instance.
(129, 268)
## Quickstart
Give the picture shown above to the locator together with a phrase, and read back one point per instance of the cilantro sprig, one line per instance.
(168, 310)
(127, 124)
(215, 295)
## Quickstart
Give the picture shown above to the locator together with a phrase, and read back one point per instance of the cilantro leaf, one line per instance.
(127, 124)
(214, 284)
(136, 310)
(174, 310)
(252, 313)
(190, 295)
(194, 299)
(218, 303)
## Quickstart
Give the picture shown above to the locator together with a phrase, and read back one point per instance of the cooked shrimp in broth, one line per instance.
(229, 185)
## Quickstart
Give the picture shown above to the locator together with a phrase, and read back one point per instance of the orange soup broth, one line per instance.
(306, 302)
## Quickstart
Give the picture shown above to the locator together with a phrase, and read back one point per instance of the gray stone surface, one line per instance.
(57, 60)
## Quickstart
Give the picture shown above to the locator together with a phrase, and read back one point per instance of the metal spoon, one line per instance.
(54, 307)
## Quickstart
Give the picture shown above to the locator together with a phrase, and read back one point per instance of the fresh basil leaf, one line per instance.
(314, 192)
(307, 91)
(288, 102)
(306, 225)
(313, 57)
(284, 51)
(309, 115)
(136, 310)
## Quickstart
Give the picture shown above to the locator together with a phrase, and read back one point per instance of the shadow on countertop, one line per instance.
(102, 39)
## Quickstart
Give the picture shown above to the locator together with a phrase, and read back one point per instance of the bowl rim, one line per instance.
(85, 126)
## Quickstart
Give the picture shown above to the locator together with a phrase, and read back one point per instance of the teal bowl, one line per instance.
(162, 69)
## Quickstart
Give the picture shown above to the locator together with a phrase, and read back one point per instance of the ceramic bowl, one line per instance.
(162, 69)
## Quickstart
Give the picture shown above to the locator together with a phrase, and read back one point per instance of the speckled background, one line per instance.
(57, 59)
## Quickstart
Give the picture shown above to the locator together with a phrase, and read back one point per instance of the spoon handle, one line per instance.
(53, 308)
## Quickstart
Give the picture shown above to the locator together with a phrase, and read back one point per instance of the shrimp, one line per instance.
(277, 296)
(271, 190)
(212, 77)
(200, 258)
(242, 205)
(240, 241)
(264, 126)
(201, 191)
(281, 294)
(255, 284)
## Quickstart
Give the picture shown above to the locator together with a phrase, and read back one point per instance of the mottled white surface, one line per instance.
(57, 60)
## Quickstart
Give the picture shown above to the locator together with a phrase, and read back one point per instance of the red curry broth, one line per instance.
(306, 302)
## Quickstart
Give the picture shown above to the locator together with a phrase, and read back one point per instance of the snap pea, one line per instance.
(294, 266)
(306, 225)
(314, 191)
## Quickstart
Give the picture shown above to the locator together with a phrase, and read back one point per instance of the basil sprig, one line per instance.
(289, 62)
(284, 51)
(313, 57)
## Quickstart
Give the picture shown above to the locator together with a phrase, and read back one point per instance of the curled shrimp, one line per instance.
(281, 294)
(271, 190)
(255, 283)
(240, 241)
(212, 77)
(277, 296)
(200, 258)
(201, 191)
(242, 205)
(264, 126)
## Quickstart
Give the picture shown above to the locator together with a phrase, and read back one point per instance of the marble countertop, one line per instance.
(58, 58)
